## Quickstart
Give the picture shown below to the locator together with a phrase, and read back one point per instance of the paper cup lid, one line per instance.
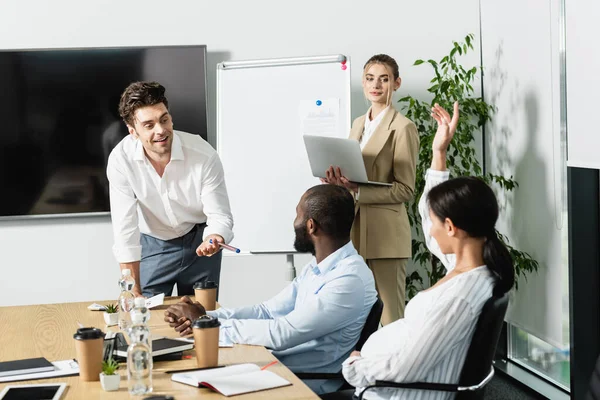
(205, 285)
(206, 321)
(88, 333)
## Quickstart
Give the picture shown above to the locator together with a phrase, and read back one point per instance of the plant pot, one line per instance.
(111, 319)
(110, 383)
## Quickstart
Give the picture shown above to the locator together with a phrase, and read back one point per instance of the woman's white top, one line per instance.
(430, 343)
(370, 126)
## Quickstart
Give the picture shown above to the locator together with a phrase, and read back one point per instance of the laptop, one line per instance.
(324, 152)
(160, 346)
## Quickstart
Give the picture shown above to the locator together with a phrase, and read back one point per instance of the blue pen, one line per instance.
(226, 246)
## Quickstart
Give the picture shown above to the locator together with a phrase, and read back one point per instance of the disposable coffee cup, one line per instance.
(89, 348)
(206, 294)
(206, 341)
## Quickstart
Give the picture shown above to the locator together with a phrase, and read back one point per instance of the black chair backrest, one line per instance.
(371, 324)
(483, 345)
(594, 389)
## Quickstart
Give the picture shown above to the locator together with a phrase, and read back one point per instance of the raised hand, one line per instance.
(446, 127)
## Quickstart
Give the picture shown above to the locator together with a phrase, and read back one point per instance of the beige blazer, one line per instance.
(381, 228)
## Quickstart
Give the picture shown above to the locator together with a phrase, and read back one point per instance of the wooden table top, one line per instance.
(47, 331)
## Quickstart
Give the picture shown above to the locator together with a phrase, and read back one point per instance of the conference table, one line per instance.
(47, 331)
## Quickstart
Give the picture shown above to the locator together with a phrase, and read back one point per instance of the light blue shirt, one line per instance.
(314, 323)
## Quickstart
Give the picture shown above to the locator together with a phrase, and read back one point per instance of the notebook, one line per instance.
(160, 347)
(232, 380)
(26, 366)
(61, 368)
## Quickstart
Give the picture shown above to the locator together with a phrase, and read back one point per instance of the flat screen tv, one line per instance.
(59, 113)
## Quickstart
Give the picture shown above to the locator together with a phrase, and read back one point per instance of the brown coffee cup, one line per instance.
(89, 348)
(206, 341)
(206, 294)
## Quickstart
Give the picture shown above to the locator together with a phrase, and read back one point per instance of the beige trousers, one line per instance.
(390, 282)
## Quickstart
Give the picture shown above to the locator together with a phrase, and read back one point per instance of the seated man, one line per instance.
(315, 322)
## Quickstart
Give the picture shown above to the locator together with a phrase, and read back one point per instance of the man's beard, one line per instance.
(302, 243)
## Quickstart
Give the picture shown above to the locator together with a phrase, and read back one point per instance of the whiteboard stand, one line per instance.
(291, 272)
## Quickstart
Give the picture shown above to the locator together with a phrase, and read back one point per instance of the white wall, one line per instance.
(57, 260)
(521, 60)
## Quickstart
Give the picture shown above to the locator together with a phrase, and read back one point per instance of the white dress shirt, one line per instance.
(370, 126)
(430, 343)
(191, 191)
(315, 322)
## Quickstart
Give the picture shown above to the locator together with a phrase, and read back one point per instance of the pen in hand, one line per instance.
(226, 246)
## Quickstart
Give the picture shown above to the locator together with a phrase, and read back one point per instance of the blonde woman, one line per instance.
(390, 146)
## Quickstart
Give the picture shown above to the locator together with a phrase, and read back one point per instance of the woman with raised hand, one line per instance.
(430, 343)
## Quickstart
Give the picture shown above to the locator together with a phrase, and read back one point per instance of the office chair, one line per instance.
(371, 325)
(477, 370)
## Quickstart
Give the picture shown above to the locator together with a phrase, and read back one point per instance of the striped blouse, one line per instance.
(430, 343)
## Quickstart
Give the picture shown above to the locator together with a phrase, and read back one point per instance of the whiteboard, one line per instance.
(583, 63)
(260, 109)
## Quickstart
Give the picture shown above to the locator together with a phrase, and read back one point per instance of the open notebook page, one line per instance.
(232, 380)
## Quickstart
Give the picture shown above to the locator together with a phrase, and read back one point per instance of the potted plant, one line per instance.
(109, 378)
(111, 314)
(452, 81)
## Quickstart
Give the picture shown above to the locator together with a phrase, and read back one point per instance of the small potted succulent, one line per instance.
(111, 314)
(109, 378)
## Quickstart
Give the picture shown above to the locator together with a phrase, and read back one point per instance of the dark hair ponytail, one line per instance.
(498, 260)
(471, 206)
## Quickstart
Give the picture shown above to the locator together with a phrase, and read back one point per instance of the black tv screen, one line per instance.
(59, 113)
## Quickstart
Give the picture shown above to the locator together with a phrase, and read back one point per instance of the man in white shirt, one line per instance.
(315, 322)
(168, 200)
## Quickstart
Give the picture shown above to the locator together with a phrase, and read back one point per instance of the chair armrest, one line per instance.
(446, 387)
(319, 375)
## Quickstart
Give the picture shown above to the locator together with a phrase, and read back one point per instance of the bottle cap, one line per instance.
(140, 302)
(137, 318)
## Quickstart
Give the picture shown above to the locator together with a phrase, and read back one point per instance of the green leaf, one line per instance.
(444, 86)
(418, 62)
